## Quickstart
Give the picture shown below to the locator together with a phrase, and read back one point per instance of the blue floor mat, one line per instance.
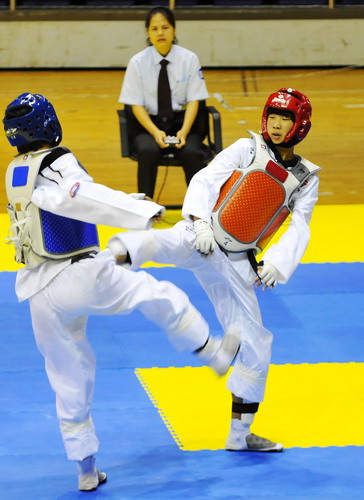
(317, 317)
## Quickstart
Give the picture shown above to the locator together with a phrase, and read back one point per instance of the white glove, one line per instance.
(137, 196)
(118, 249)
(268, 275)
(205, 240)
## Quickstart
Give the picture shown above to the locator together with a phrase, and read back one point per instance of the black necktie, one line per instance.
(165, 112)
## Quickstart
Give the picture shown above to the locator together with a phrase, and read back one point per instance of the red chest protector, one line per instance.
(255, 201)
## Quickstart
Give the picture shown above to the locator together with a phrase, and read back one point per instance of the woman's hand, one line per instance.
(159, 137)
(145, 121)
(181, 136)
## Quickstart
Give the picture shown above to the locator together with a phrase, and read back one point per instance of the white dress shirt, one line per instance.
(140, 85)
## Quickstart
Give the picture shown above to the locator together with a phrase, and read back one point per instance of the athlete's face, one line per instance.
(278, 127)
(161, 34)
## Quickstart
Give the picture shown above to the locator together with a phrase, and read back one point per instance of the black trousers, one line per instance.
(191, 156)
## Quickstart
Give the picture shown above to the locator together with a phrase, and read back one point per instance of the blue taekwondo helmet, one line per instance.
(30, 118)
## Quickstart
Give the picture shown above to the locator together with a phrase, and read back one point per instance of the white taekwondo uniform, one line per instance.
(63, 293)
(228, 278)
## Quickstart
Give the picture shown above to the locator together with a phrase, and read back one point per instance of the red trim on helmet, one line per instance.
(297, 103)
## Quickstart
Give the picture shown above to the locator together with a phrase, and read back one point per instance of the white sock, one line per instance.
(242, 425)
(86, 466)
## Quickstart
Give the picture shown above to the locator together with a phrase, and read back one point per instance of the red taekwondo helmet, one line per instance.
(293, 101)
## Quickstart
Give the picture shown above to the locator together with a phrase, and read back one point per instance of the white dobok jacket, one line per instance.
(62, 188)
(204, 190)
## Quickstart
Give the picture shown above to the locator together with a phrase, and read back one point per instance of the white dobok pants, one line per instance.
(59, 316)
(230, 286)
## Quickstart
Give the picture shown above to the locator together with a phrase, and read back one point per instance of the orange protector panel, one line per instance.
(273, 228)
(226, 188)
(256, 199)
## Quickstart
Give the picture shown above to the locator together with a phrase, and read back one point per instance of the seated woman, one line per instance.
(164, 92)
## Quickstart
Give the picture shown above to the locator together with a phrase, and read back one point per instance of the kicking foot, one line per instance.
(220, 353)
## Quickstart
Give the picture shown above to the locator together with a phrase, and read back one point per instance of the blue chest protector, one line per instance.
(39, 235)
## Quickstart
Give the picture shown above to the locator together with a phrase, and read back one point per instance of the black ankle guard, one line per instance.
(245, 407)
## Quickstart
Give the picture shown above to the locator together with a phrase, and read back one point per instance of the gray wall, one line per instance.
(219, 43)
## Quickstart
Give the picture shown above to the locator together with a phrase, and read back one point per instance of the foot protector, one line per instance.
(227, 351)
(90, 482)
(251, 442)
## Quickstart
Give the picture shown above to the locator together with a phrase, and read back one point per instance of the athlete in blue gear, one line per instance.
(54, 207)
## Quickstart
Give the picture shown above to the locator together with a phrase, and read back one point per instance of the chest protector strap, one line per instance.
(255, 201)
(39, 235)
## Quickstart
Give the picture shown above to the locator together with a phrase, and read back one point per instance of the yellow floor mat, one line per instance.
(306, 405)
(336, 235)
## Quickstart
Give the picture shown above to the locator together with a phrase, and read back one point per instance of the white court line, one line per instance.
(311, 74)
(247, 108)
(221, 100)
(331, 94)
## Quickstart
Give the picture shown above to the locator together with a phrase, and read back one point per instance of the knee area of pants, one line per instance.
(142, 246)
(149, 244)
(193, 155)
(190, 318)
(149, 153)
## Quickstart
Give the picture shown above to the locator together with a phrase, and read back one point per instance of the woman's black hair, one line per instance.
(166, 12)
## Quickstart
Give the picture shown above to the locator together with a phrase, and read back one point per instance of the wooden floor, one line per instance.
(86, 104)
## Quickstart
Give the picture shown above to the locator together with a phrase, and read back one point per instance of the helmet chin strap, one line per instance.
(276, 152)
(289, 144)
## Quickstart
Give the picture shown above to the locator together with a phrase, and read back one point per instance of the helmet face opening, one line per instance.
(31, 118)
(297, 104)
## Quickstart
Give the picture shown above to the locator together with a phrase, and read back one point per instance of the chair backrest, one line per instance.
(211, 148)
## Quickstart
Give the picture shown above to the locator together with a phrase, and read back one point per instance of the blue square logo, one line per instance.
(20, 176)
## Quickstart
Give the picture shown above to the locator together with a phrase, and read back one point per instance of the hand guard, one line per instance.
(116, 246)
(268, 274)
(205, 240)
(138, 196)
